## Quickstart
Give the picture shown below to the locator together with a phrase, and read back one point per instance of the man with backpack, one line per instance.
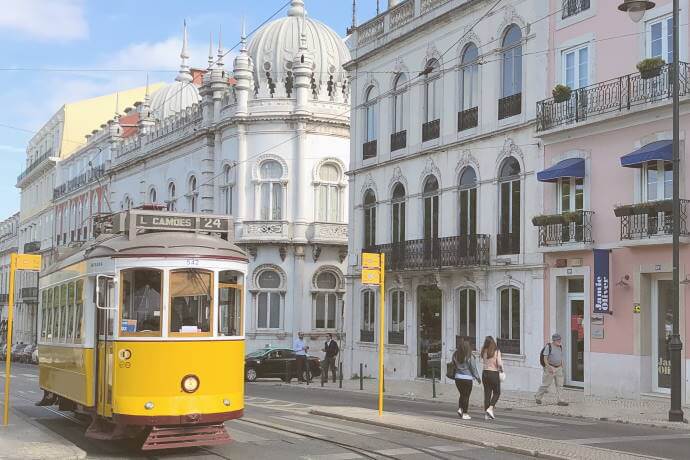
(551, 359)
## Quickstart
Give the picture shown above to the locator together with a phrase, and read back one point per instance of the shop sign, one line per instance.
(601, 281)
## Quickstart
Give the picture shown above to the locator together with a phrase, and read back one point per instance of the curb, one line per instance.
(458, 438)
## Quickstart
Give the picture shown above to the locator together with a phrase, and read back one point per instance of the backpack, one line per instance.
(541, 354)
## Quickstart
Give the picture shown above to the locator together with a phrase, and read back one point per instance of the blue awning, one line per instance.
(572, 167)
(659, 150)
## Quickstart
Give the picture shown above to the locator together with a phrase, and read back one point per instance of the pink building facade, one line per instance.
(606, 183)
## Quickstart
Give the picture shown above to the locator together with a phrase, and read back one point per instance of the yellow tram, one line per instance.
(142, 329)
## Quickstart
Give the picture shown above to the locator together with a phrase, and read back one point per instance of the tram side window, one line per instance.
(141, 305)
(79, 311)
(70, 312)
(63, 312)
(230, 304)
(45, 305)
(56, 313)
(190, 301)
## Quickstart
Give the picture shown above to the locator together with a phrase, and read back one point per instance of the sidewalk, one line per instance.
(22, 440)
(534, 447)
(651, 411)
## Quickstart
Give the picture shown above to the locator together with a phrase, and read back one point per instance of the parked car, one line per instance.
(17, 349)
(276, 363)
(25, 355)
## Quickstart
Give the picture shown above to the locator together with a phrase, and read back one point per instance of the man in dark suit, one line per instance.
(332, 350)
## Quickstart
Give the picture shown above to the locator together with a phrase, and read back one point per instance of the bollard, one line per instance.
(287, 372)
(324, 364)
(361, 376)
(340, 374)
(433, 382)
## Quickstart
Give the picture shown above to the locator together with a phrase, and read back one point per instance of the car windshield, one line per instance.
(257, 353)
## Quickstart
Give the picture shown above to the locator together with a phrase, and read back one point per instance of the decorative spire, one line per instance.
(147, 95)
(184, 75)
(243, 37)
(296, 8)
(210, 50)
(303, 32)
(117, 105)
(221, 53)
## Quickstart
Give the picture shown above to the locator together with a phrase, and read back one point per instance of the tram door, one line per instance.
(106, 310)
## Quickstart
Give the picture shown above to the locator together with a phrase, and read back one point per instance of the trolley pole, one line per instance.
(29, 262)
(8, 357)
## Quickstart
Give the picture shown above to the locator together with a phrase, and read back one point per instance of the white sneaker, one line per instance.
(460, 412)
(466, 417)
(490, 413)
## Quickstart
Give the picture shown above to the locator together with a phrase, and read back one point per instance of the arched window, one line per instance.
(399, 88)
(371, 115)
(326, 300)
(192, 194)
(171, 202)
(467, 195)
(512, 62)
(430, 196)
(467, 316)
(226, 190)
(396, 326)
(367, 331)
(469, 78)
(432, 91)
(398, 215)
(270, 175)
(509, 338)
(369, 219)
(508, 239)
(329, 193)
(269, 299)
(152, 195)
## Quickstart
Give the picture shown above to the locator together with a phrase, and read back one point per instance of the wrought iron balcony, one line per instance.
(509, 346)
(565, 228)
(79, 181)
(29, 293)
(509, 106)
(615, 95)
(396, 338)
(398, 140)
(4, 298)
(507, 244)
(369, 150)
(35, 164)
(33, 246)
(453, 251)
(366, 336)
(573, 7)
(431, 130)
(651, 219)
(468, 119)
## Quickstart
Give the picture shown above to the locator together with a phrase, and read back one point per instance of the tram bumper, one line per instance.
(175, 437)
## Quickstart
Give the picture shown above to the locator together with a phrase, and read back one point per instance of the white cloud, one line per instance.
(45, 19)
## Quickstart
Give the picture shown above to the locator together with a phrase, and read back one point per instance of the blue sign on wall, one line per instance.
(601, 281)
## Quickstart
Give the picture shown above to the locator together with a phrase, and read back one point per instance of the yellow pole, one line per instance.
(382, 330)
(8, 357)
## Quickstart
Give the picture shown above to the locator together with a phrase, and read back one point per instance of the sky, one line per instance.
(58, 51)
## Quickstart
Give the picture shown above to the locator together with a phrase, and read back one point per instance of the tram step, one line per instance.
(185, 436)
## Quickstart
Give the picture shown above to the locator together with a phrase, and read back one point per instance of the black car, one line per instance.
(277, 363)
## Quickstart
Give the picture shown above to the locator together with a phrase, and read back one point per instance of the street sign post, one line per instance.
(373, 273)
(28, 262)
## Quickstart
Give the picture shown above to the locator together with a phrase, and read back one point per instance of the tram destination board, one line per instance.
(163, 221)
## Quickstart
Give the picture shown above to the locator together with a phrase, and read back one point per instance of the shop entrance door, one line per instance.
(575, 340)
(429, 331)
(662, 328)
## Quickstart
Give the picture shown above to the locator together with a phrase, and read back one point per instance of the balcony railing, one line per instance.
(396, 338)
(33, 246)
(398, 140)
(507, 244)
(566, 228)
(615, 95)
(431, 130)
(4, 298)
(369, 150)
(509, 346)
(509, 106)
(79, 181)
(29, 293)
(651, 219)
(573, 7)
(366, 336)
(453, 251)
(468, 119)
(35, 164)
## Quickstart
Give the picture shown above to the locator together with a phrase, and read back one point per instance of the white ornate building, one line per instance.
(442, 181)
(8, 244)
(269, 145)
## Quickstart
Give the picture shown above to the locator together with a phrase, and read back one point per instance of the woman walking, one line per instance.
(493, 366)
(465, 372)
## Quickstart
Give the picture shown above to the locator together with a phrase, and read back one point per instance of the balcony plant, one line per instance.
(572, 216)
(650, 67)
(547, 219)
(561, 93)
(623, 210)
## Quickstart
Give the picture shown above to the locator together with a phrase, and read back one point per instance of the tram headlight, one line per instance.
(190, 383)
(148, 405)
(226, 402)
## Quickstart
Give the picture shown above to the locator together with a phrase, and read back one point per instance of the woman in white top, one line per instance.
(493, 365)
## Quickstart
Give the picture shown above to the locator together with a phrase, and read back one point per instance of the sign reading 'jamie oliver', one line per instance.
(601, 281)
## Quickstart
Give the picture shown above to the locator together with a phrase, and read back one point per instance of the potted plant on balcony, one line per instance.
(572, 216)
(665, 206)
(623, 210)
(561, 93)
(547, 219)
(650, 67)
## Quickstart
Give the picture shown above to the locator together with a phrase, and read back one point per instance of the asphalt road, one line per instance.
(659, 442)
(276, 425)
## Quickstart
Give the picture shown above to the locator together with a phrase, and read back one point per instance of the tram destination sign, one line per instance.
(162, 221)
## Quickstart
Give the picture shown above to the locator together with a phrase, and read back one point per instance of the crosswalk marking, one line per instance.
(561, 420)
(398, 451)
(651, 437)
(482, 424)
(319, 423)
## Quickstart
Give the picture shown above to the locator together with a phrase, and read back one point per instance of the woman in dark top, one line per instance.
(465, 372)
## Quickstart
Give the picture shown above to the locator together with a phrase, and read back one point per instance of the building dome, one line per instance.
(274, 47)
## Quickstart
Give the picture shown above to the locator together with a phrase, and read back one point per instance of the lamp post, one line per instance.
(636, 9)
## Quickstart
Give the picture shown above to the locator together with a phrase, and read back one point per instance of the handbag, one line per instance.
(502, 375)
(450, 370)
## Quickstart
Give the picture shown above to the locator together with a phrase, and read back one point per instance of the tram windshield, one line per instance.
(190, 301)
(141, 306)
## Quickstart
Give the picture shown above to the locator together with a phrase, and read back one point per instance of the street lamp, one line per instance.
(636, 9)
